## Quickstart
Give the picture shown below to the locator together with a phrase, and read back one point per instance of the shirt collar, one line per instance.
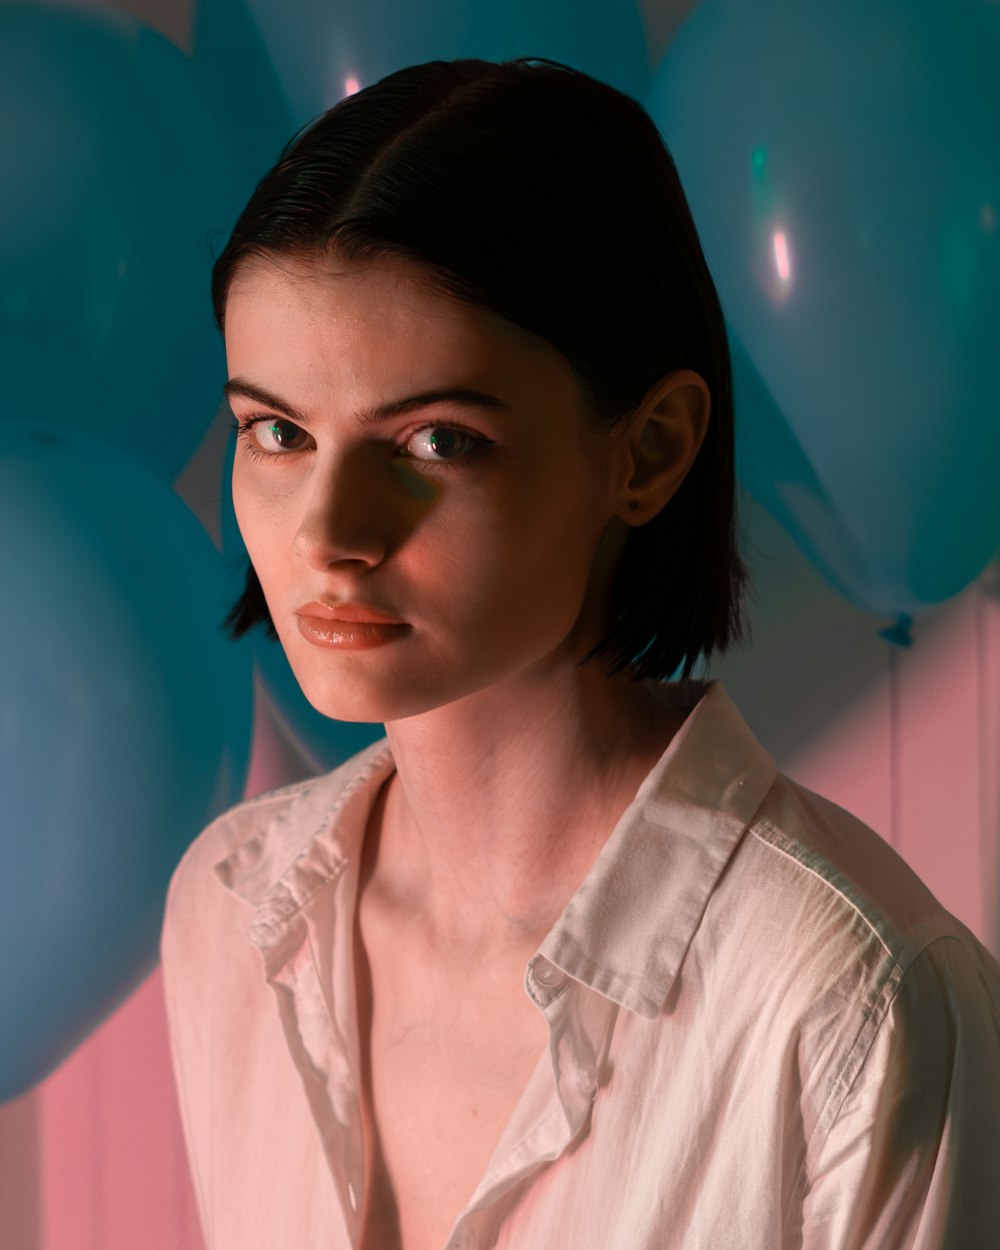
(626, 930)
(316, 825)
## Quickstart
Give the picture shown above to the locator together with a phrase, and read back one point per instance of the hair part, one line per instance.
(532, 189)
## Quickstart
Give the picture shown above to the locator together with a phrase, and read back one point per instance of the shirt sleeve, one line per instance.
(912, 1160)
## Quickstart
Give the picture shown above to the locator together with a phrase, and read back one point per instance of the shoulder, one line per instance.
(854, 998)
(821, 855)
(799, 892)
(876, 977)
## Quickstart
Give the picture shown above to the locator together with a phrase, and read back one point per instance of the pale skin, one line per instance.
(513, 764)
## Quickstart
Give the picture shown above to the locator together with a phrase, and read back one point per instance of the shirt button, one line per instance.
(549, 975)
(587, 1081)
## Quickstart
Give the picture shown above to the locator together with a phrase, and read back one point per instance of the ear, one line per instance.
(660, 443)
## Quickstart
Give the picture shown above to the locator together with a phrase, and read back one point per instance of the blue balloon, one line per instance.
(323, 52)
(776, 471)
(843, 165)
(236, 73)
(125, 719)
(117, 175)
(326, 742)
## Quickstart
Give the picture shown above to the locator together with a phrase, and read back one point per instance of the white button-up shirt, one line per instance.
(764, 1031)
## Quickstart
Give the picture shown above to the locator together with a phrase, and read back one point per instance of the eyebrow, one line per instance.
(380, 412)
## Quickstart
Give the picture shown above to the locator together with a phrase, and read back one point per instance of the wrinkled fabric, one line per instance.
(764, 1031)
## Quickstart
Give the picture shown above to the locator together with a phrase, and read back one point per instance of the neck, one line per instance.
(501, 801)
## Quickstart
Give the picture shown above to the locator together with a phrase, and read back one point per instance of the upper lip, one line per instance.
(330, 610)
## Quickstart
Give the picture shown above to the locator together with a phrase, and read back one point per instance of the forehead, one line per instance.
(278, 305)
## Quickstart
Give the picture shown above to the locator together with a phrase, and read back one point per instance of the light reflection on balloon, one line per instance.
(317, 47)
(781, 259)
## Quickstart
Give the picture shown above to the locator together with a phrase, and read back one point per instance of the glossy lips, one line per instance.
(347, 626)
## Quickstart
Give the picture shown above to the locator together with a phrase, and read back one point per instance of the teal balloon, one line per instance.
(323, 52)
(118, 176)
(125, 721)
(235, 71)
(326, 742)
(842, 163)
(776, 471)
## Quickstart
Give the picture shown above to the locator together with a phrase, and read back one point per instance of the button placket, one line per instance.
(587, 1080)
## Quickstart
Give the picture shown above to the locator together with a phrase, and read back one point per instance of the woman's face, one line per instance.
(478, 521)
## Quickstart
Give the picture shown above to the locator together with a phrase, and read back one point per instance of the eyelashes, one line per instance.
(474, 444)
(244, 434)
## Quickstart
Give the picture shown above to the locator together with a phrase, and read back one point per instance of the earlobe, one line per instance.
(663, 438)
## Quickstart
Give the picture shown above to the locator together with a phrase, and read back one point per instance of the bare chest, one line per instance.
(445, 1066)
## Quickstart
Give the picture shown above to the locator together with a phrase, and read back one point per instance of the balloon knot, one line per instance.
(899, 634)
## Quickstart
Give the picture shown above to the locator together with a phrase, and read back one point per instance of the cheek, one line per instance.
(261, 519)
(247, 512)
(533, 553)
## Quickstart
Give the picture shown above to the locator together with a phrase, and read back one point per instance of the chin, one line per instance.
(340, 704)
(356, 699)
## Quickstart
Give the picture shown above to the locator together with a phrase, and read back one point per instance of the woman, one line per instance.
(562, 962)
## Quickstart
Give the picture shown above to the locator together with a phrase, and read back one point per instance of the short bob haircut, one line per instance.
(539, 192)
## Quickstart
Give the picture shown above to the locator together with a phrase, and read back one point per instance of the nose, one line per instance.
(341, 517)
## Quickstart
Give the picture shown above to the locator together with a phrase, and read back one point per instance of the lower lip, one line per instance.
(347, 635)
